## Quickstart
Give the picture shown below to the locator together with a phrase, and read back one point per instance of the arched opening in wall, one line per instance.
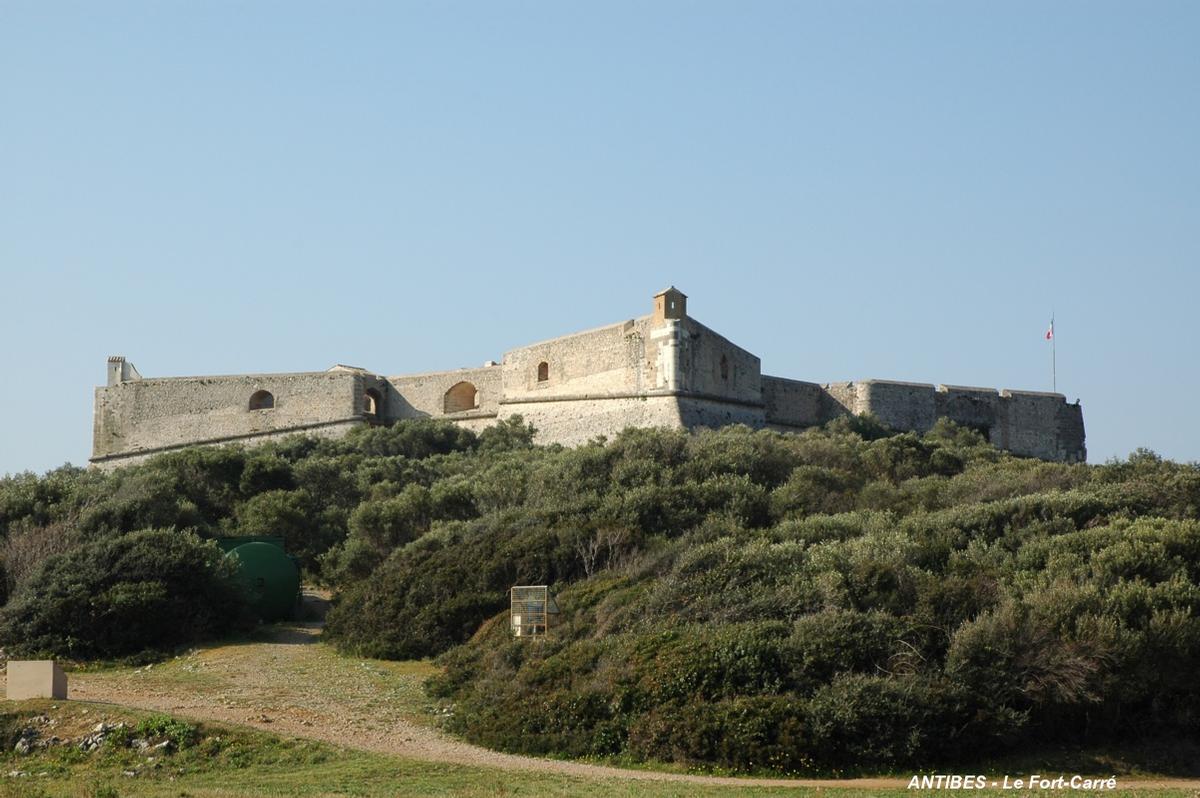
(461, 396)
(371, 400)
(543, 371)
(262, 400)
(724, 367)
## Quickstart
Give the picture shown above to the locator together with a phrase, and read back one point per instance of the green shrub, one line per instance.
(885, 722)
(148, 590)
(163, 727)
(836, 600)
(293, 516)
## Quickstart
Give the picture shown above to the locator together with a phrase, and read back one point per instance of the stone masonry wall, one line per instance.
(669, 372)
(978, 408)
(697, 412)
(792, 403)
(606, 360)
(335, 430)
(575, 421)
(1026, 423)
(1041, 425)
(154, 414)
(900, 405)
(424, 395)
(713, 365)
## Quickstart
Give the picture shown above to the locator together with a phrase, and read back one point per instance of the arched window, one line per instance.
(543, 371)
(261, 400)
(371, 401)
(461, 396)
(724, 367)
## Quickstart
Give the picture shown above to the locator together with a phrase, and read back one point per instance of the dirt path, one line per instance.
(292, 685)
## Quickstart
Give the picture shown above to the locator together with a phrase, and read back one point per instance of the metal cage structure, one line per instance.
(532, 610)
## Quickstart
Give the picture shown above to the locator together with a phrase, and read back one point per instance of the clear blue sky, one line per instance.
(849, 190)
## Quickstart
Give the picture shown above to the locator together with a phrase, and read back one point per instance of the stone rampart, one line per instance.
(978, 408)
(1041, 425)
(793, 403)
(158, 414)
(578, 419)
(710, 363)
(900, 405)
(607, 360)
(665, 369)
(332, 429)
(446, 393)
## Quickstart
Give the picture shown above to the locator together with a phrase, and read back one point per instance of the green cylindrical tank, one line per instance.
(271, 577)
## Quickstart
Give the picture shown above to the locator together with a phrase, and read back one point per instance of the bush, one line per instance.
(151, 590)
(27, 547)
(743, 734)
(835, 600)
(180, 733)
(293, 516)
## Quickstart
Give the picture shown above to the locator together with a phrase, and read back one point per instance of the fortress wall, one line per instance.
(900, 405)
(155, 413)
(1072, 442)
(698, 411)
(476, 423)
(1026, 423)
(365, 383)
(612, 359)
(333, 430)
(1030, 423)
(978, 408)
(700, 355)
(424, 395)
(793, 403)
(1042, 425)
(577, 421)
(665, 369)
(840, 399)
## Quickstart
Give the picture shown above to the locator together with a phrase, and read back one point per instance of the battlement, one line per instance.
(662, 369)
(119, 370)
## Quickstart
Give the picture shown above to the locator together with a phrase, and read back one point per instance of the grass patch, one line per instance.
(218, 761)
(283, 665)
(227, 762)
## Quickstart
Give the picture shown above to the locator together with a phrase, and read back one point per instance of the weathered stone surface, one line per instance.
(664, 369)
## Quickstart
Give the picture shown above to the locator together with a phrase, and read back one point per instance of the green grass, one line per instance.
(231, 762)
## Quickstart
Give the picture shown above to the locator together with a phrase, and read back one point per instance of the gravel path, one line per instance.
(291, 685)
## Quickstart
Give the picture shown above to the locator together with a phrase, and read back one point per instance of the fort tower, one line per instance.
(664, 369)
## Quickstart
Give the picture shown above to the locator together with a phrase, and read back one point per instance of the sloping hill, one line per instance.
(291, 684)
(839, 601)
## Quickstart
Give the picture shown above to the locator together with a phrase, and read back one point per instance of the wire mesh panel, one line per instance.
(532, 610)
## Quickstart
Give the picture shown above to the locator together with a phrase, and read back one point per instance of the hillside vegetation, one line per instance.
(843, 599)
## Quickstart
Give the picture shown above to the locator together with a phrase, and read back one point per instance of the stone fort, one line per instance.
(664, 369)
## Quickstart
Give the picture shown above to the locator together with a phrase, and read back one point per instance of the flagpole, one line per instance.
(1053, 357)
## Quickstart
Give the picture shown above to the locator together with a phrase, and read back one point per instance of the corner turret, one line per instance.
(121, 370)
(669, 304)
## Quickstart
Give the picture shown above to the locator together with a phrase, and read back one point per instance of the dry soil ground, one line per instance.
(291, 684)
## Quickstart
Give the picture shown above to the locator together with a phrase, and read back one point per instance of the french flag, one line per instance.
(1050, 332)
